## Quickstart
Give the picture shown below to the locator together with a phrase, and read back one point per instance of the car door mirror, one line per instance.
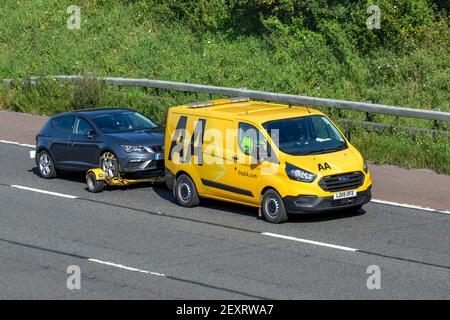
(91, 134)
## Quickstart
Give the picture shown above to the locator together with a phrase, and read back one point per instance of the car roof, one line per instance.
(94, 112)
(244, 109)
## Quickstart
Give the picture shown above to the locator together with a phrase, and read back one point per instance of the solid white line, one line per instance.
(126, 268)
(46, 192)
(409, 206)
(18, 144)
(323, 244)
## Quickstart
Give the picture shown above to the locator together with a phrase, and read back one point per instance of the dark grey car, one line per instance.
(120, 141)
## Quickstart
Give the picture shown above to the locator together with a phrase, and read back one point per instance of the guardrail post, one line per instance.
(370, 117)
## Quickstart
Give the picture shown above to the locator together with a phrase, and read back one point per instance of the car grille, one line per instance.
(155, 164)
(157, 148)
(340, 182)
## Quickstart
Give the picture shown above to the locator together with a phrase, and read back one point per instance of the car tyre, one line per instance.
(94, 185)
(185, 192)
(46, 166)
(272, 207)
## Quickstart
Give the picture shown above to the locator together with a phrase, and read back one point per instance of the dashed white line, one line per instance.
(120, 266)
(317, 243)
(46, 192)
(18, 144)
(409, 206)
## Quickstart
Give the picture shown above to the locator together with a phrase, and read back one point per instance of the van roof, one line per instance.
(244, 109)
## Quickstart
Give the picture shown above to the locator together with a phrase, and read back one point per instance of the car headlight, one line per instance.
(366, 167)
(131, 148)
(299, 174)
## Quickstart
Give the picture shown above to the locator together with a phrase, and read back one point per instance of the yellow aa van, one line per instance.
(278, 158)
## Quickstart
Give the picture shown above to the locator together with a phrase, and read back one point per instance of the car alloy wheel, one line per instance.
(108, 163)
(46, 166)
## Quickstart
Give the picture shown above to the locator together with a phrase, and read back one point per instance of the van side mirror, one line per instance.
(347, 135)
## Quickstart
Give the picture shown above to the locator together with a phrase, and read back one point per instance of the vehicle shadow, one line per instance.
(167, 195)
(80, 177)
(163, 192)
(232, 208)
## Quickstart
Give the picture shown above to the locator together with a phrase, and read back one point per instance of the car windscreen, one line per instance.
(122, 122)
(305, 135)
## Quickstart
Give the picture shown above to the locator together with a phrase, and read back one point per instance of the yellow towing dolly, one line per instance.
(97, 179)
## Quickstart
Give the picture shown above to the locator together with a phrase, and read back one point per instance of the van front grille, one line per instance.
(340, 182)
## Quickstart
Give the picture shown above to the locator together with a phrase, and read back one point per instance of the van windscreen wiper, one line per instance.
(320, 151)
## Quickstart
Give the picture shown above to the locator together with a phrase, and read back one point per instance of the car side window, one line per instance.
(82, 127)
(63, 124)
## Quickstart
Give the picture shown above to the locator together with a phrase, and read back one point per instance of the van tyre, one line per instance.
(186, 192)
(46, 166)
(272, 207)
(94, 185)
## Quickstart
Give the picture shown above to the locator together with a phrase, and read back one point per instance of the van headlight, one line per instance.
(299, 174)
(365, 167)
(131, 148)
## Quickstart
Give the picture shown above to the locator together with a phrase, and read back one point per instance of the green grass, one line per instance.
(321, 51)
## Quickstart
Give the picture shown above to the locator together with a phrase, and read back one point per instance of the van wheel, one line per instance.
(272, 207)
(94, 185)
(46, 167)
(186, 192)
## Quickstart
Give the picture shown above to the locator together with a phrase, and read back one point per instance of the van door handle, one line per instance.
(235, 158)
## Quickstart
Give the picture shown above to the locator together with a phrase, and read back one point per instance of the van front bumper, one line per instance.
(313, 204)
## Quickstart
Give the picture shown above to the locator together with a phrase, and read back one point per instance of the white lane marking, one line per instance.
(18, 144)
(409, 206)
(46, 192)
(126, 268)
(317, 243)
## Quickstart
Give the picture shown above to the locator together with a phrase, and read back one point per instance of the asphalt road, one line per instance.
(136, 243)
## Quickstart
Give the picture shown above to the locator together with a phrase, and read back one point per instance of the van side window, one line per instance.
(63, 124)
(82, 127)
(247, 138)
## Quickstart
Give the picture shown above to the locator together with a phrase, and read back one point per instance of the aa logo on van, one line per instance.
(325, 166)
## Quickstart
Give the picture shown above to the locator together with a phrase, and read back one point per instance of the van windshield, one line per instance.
(305, 135)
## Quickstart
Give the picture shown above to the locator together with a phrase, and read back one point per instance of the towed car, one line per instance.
(122, 142)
